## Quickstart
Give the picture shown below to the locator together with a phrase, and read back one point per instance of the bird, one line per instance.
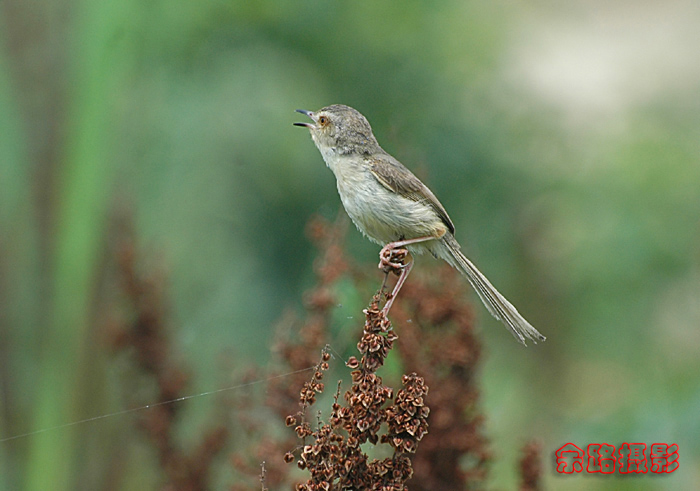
(394, 209)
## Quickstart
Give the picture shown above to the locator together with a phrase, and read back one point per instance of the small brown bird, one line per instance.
(395, 209)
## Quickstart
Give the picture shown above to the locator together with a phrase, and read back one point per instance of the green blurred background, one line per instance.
(562, 137)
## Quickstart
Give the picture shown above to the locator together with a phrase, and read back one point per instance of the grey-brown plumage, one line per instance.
(394, 208)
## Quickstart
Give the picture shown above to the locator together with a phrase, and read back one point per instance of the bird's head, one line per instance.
(340, 129)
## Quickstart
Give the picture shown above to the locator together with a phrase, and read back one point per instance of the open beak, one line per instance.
(309, 114)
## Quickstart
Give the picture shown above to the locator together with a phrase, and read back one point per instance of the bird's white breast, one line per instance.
(380, 214)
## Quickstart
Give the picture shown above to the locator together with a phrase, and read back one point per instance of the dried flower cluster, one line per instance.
(408, 418)
(335, 459)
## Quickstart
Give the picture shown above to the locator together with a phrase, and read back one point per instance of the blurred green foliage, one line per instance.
(570, 166)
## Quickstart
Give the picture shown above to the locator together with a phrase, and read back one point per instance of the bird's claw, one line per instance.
(391, 259)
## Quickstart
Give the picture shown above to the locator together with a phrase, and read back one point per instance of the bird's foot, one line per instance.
(393, 259)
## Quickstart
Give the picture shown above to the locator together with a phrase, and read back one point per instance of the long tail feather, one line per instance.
(496, 303)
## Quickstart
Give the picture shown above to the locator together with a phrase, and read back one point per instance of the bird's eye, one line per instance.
(323, 120)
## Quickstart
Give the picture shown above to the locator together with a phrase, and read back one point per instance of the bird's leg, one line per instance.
(405, 270)
(391, 258)
(386, 278)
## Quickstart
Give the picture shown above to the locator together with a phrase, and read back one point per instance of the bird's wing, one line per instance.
(396, 178)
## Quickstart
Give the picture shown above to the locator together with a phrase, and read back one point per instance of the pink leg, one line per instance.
(388, 263)
(406, 269)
